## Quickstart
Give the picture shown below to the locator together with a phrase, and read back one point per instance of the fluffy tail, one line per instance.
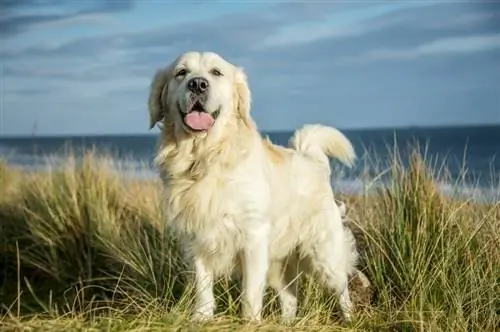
(320, 142)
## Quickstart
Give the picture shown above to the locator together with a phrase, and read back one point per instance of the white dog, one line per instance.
(237, 200)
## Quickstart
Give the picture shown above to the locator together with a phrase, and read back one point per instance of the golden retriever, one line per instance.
(237, 200)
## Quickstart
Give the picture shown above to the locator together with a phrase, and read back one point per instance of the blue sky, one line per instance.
(84, 67)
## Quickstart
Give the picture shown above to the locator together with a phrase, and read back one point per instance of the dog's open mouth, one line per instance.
(198, 119)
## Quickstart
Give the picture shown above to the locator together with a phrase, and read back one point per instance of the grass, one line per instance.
(82, 248)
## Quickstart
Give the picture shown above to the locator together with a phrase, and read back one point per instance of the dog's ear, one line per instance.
(157, 102)
(243, 98)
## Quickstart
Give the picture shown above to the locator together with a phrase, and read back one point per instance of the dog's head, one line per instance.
(198, 93)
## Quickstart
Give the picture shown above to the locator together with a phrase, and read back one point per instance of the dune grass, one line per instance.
(82, 248)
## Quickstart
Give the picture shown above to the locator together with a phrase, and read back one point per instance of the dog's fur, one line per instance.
(234, 198)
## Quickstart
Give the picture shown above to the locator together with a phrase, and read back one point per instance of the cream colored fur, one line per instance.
(236, 199)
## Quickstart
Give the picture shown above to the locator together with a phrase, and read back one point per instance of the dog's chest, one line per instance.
(217, 247)
(201, 206)
(206, 218)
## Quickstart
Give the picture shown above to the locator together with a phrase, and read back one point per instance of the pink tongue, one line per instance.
(199, 120)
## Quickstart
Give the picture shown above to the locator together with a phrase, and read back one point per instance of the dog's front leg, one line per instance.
(255, 267)
(204, 284)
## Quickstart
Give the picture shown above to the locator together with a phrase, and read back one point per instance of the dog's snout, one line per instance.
(198, 85)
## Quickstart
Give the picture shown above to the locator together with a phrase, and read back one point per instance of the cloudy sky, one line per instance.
(84, 66)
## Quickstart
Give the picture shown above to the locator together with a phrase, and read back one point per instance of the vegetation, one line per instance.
(83, 248)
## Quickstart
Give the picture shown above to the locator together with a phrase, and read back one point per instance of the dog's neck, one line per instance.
(184, 155)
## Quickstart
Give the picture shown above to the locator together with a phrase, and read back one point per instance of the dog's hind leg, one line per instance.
(328, 257)
(283, 278)
(332, 274)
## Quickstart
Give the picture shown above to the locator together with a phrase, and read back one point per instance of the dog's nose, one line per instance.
(198, 85)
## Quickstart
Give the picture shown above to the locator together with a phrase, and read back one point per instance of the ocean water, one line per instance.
(476, 149)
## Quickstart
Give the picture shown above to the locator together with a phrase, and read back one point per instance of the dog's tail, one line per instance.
(320, 142)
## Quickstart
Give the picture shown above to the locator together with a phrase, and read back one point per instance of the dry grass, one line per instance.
(82, 248)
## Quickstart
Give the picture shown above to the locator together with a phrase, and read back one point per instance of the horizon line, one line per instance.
(346, 130)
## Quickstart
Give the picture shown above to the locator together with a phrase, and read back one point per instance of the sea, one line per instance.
(466, 159)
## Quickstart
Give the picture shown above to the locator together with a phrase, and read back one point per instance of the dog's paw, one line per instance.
(201, 317)
(251, 317)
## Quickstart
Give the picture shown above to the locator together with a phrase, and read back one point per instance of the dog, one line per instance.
(235, 200)
(365, 291)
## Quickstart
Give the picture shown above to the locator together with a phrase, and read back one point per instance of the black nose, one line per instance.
(198, 85)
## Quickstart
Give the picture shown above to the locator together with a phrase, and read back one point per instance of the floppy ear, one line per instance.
(243, 98)
(157, 96)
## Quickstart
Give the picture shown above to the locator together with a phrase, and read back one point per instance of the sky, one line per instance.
(84, 66)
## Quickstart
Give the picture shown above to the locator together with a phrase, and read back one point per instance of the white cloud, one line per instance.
(461, 44)
(90, 18)
(298, 35)
(451, 45)
(464, 20)
(337, 25)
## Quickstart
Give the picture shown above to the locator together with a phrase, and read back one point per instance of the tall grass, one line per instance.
(83, 247)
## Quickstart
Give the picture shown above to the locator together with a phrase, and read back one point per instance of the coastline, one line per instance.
(361, 185)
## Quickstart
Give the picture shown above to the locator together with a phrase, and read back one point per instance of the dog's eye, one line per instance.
(181, 72)
(216, 72)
